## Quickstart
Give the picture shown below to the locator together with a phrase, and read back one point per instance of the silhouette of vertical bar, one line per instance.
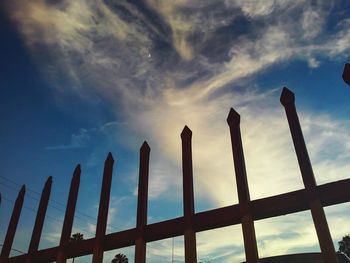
(11, 230)
(188, 196)
(103, 210)
(39, 221)
(346, 74)
(249, 238)
(69, 216)
(140, 246)
(324, 237)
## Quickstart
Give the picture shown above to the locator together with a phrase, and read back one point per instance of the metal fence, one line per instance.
(313, 197)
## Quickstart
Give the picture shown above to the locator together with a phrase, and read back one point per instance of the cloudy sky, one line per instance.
(85, 77)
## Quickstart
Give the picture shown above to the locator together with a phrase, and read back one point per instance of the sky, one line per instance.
(83, 78)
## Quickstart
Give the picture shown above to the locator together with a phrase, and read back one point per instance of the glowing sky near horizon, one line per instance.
(82, 78)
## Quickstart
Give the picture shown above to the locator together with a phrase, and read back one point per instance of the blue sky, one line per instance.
(82, 78)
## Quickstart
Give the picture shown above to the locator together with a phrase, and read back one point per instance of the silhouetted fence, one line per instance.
(313, 197)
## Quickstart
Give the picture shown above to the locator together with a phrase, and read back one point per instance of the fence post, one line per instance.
(140, 244)
(69, 216)
(11, 230)
(346, 74)
(249, 238)
(39, 221)
(324, 237)
(188, 196)
(101, 226)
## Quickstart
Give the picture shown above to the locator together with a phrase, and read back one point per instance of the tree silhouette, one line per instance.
(120, 258)
(344, 245)
(75, 238)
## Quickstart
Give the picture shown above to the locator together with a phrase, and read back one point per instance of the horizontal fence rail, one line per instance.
(313, 197)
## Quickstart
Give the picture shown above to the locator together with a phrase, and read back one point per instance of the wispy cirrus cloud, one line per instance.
(228, 40)
(78, 140)
(86, 137)
(167, 64)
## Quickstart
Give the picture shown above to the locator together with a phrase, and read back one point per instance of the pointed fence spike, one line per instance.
(317, 212)
(40, 217)
(48, 182)
(102, 216)
(69, 215)
(186, 132)
(249, 238)
(346, 74)
(11, 230)
(77, 169)
(188, 196)
(22, 191)
(109, 158)
(287, 97)
(76, 174)
(143, 186)
(233, 118)
(145, 147)
(142, 201)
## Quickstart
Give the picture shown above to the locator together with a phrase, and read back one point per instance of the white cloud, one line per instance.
(253, 8)
(281, 235)
(312, 23)
(52, 237)
(313, 63)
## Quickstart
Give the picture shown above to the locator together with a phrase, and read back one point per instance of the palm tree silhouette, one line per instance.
(120, 258)
(76, 238)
